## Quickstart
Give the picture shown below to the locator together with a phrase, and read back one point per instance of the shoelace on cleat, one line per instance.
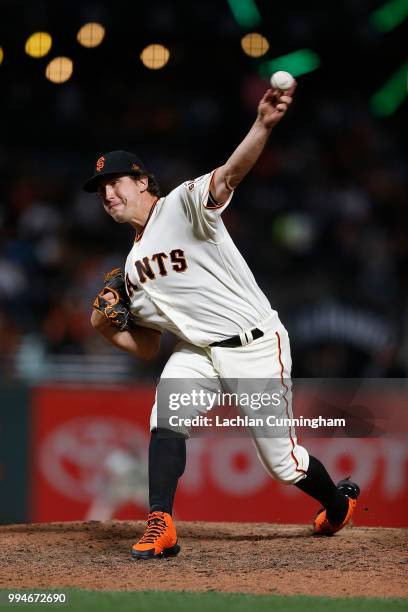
(156, 526)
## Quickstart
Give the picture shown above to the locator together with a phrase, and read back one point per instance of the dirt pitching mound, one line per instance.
(240, 557)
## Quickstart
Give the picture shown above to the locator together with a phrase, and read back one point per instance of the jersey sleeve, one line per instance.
(202, 210)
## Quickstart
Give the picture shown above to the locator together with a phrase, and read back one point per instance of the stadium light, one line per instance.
(91, 34)
(254, 45)
(390, 15)
(155, 56)
(59, 69)
(38, 44)
(297, 63)
(245, 12)
(392, 94)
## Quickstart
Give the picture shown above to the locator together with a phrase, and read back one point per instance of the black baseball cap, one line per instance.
(114, 162)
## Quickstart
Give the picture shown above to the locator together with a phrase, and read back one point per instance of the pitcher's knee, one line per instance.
(289, 473)
(288, 467)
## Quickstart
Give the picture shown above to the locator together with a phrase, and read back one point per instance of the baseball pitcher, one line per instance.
(185, 274)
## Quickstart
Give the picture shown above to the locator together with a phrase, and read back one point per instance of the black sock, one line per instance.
(167, 461)
(319, 485)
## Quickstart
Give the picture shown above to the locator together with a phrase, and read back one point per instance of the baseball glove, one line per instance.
(117, 312)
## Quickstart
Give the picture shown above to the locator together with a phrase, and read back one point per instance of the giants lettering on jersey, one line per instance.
(158, 264)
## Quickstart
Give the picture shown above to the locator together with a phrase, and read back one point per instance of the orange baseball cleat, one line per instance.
(159, 540)
(322, 525)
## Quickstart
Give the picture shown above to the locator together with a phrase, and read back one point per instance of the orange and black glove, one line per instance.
(116, 310)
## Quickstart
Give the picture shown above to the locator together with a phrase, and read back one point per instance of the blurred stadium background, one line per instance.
(322, 220)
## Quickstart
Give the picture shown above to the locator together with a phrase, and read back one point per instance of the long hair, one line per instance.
(153, 186)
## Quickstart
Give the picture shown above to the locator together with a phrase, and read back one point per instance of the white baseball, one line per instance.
(282, 80)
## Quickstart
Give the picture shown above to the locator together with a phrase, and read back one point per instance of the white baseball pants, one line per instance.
(267, 358)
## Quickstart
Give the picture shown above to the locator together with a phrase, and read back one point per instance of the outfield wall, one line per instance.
(78, 453)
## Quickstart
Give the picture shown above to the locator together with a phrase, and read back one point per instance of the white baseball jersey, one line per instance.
(184, 273)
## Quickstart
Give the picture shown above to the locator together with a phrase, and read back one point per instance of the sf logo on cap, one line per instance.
(100, 164)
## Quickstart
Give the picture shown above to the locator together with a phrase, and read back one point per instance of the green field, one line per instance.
(164, 601)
